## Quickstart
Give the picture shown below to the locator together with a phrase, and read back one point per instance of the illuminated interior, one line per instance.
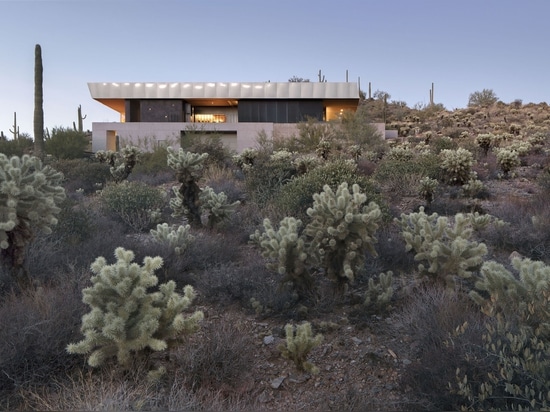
(210, 118)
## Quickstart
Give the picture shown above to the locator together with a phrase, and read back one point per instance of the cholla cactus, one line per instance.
(428, 186)
(188, 167)
(299, 343)
(402, 152)
(245, 160)
(473, 186)
(129, 158)
(177, 238)
(286, 252)
(323, 149)
(341, 230)
(305, 163)
(29, 197)
(485, 141)
(507, 160)
(106, 156)
(456, 165)
(447, 249)
(216, 206)
(125, 319)
(379, 294)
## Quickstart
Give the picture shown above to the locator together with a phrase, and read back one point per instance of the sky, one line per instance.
(398, 46)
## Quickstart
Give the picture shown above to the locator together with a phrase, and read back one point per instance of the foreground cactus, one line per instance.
(29, 197)
(125, 319)
(342, 228)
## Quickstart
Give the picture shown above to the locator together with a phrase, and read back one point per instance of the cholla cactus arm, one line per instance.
(285, 252)
(125, 319)
(129, 157)
(216, 206)
(178, 238)
(299, 343)
(379, 294)
(29, 198)
(342, 228)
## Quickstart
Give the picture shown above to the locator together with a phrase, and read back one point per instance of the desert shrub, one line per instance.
(516, 341)
(211, 249)
(296, 196)
(134, 203)
(66, 143)
(75, 223)
(268, 174)
(153, 163)
(197, 141)
(224, 180)
(16, 147)
(429, 319)
(219, 356)
(440, 143)
(456, 165)
(82, 174)
(310, 134)
(35, 327)
(446, 247)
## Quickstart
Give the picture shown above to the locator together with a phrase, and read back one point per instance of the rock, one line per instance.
(268, 340)
(277, 382)
(357, 341)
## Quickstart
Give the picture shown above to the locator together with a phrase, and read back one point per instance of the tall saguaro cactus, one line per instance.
(15, 130)
(38, 104)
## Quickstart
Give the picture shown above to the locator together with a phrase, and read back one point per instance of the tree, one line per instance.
(296, 79)
(484, 98)
(38, 104)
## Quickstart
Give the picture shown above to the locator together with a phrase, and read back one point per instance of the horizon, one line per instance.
(399, 47)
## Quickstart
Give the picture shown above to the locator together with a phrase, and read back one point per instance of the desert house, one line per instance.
(238, 112)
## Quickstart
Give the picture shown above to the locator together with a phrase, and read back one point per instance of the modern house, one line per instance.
(238, 112)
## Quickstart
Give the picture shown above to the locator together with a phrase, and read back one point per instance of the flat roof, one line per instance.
(220, 90)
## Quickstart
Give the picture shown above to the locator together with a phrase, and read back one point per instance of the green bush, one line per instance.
(66, 144)
(296, 196)
(134, 203)
(17, 147)
(82, 174)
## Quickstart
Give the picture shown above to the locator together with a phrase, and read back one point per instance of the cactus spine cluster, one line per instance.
(29, 199)
(126, 320)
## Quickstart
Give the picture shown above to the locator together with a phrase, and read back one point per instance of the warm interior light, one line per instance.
(210, 118)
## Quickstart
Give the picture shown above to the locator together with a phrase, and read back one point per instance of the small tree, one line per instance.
(484, 98)
(30, 195)
(126, 320)
(66, 144)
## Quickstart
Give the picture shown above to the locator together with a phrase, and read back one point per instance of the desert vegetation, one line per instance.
(335, 270)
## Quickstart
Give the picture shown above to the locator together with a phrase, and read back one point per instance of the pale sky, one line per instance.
(399, 46)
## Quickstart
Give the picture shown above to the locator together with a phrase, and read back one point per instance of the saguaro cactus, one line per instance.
(38, 104)
(29, 199)
(15, 130)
